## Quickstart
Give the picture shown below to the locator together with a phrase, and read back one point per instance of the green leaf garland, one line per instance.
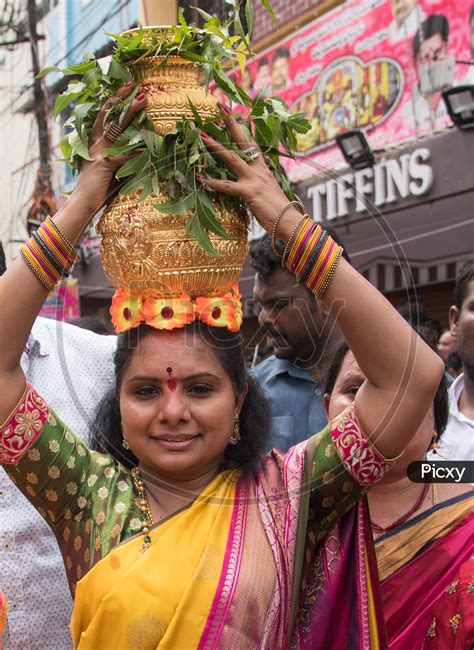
(170, 163)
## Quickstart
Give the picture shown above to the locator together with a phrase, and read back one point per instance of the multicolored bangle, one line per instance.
(289, 243)
(48, 254)
(312, 255)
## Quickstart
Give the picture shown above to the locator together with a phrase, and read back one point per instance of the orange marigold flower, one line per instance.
(224, 311)
(125, 309)
(167, 314)
(3, 613)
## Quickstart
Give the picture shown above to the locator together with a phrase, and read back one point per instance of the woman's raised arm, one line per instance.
(402, 372)
(21, 293)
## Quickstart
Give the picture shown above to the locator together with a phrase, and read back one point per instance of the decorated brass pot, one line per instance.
(144, 248)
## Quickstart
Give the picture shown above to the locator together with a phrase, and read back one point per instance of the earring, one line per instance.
(235, 437)
(125, 444)
(434, 443)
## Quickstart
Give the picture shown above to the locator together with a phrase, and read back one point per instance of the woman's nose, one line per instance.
(173, 407)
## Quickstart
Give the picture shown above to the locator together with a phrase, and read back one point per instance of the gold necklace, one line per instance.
(147, 522)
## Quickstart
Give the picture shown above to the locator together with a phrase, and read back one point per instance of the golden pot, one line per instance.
(144, 248)
(180, 80)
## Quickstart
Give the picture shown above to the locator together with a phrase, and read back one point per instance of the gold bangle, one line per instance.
(288, 243)
(329, 276)
(277, 221)
(42, 279)
(65, 241)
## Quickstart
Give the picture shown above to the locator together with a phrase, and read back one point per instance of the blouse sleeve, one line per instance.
(43, 458)
(86, 497)
(341, 465)
(323, 477)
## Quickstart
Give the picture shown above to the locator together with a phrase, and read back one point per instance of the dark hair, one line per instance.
(227, 346)
(454, 361)
(471, 14)
(91, 323)
(440, 401)
(281, 53)
(434, 24)
(464, 277)
(262, 62)
(264, 260)
(415, 313)
(3, 263)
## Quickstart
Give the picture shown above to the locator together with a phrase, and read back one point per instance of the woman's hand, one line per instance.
(93, 187)
(256, 184)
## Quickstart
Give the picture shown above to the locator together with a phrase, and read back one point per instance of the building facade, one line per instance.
(361, 65)
(358, 64)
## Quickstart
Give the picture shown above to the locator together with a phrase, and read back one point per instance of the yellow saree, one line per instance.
(278, 558)
(128, 580)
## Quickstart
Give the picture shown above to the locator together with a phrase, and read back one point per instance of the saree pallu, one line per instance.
(279, 558)
(239, 555)
(418, 564)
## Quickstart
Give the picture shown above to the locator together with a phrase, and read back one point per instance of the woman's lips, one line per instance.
(176, 443)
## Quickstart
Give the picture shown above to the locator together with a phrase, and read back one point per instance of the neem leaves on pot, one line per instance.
(170, 156)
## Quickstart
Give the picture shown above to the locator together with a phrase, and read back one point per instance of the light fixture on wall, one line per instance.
(355, 149)
(460, 104)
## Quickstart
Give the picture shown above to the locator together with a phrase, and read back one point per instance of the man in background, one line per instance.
(407, 16)
(430, 45)
(457, 442)
(281, 70)
(469, 78)
(71, 368)
(262, 80)
(446, 344)
(303, 336)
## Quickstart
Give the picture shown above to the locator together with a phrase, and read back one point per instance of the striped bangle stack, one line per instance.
(48, 254)
(312, 255)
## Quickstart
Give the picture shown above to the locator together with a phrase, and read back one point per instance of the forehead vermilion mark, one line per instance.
(171, 381)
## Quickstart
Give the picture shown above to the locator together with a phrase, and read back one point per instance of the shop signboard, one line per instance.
(364, 65)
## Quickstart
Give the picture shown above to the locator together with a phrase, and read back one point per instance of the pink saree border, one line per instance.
(357, 453)
(230, 571)
(361, 583)
(23, 426)
(282, 537)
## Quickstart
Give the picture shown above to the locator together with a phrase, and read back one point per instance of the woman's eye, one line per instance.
(200, 389)
(354, 390)
(146, 390)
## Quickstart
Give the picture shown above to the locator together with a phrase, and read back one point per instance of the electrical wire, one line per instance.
(111, 14)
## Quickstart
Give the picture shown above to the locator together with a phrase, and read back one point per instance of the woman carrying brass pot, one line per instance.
(182, 534)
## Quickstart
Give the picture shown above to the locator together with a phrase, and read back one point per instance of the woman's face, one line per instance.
(348, 382)
(177, 406)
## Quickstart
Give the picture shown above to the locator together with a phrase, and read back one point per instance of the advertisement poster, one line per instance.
(363, 65)
(63, 302)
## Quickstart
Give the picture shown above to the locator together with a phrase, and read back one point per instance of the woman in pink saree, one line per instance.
(192, 538)
(424, 534)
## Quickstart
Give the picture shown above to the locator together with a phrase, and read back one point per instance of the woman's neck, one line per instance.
(167, 495)
(390, 501)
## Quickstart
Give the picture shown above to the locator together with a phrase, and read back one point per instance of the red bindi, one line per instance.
(171, 381)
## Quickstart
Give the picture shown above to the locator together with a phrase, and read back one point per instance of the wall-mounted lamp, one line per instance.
(460, 104)
(355, 149)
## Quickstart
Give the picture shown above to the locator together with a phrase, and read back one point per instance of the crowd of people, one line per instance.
(196, 504)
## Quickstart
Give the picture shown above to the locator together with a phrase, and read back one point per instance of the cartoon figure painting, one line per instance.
(349, 94)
